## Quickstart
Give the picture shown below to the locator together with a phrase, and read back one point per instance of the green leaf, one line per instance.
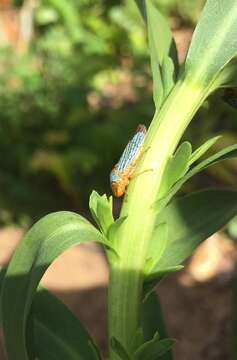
(227, 76)
(227, 153)
(156, 56)
(191, 219)
(153, 349)
(45, 241)
(58, 334)
(214, 41)
(113, 231)
(137, 340)
(153, 278)
(119, 349)
(142, 8)
(68, 11)
(168, 75)
(152, 318)
(176, 168)
(158, 244)
(160, 35)
(102, 210)
(163, 52)
(202, 149)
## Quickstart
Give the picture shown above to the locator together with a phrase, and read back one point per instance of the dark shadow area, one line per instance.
(198, 316)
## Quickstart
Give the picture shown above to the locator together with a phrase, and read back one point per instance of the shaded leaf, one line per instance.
(119, 349)
(153, 320)
(137, 340)
(153, 278)
(153, 349)
(58, 334)
(191, 219)
(45, 241)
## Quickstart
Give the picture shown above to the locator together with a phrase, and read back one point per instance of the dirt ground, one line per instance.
(196, 302)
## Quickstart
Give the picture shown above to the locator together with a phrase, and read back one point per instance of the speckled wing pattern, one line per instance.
(123, 170)
(132, 150)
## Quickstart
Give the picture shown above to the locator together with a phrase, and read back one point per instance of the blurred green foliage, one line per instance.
(70, 102)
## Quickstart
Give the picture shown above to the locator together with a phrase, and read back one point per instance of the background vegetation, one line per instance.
(74, 83)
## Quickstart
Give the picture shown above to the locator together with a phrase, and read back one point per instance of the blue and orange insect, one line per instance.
(124, 169)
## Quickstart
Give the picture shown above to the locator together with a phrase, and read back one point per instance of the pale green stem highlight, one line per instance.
(126, 277)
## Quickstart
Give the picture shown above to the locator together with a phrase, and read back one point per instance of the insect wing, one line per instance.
(132, 150)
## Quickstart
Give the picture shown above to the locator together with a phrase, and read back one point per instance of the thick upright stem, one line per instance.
(126, 277)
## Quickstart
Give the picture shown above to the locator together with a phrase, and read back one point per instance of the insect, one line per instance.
(230, 97)
(123, 170)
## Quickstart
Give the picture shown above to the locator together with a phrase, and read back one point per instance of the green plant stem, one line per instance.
(127, 274)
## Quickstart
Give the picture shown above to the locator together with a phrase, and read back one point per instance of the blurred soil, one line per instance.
(196, 302)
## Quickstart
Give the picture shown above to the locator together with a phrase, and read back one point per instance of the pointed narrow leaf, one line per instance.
(142, 8)
(227, 76)
(58, 334)
(137, 340)
(202, 149)
(102, 210)
(160, 33)
(227, 153)
(153, 349)
(168, 75)
(158, 244)
(214, 41)
(119, 349)
(162, 51)
(153, 278)
(176, 167)
(45, 241)
(191, 219)
(153, 319)
(160, 273)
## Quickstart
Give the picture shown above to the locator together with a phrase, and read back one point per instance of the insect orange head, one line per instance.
(118, 188)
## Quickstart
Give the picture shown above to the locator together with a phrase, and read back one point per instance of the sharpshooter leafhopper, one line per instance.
(123, 170)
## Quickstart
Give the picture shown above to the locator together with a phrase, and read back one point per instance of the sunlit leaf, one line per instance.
(176, 167)
(202, 149)
(214, 41)
(163, 51)
(226, 153)
(102, 210)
